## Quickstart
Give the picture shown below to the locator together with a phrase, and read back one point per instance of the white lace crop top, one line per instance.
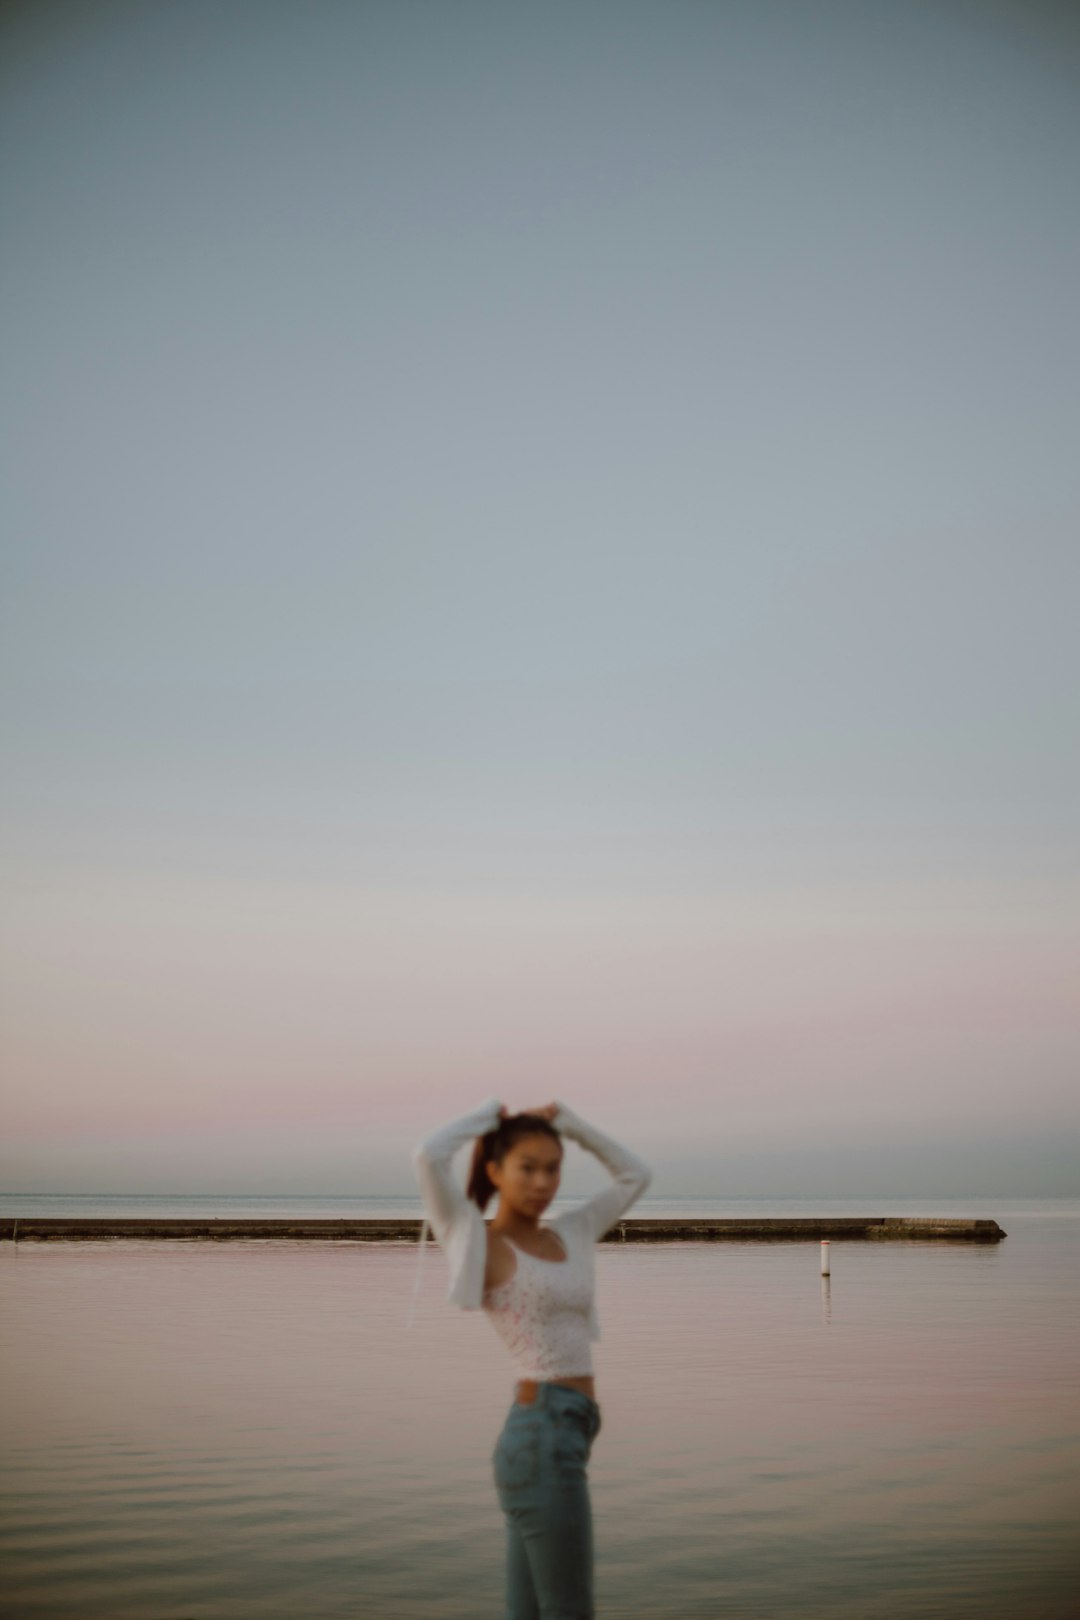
(541, 1312)
(546, 1312)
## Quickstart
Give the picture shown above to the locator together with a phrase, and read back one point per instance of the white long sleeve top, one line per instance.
(460, 1227)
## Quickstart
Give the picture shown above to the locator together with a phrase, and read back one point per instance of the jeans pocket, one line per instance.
(585, 1419)
(572, 1446)
(517, 1457)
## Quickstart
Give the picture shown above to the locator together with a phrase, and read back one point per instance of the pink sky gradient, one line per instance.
(754, 1022)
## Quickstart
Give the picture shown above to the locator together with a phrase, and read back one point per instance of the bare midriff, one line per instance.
(526, 1387)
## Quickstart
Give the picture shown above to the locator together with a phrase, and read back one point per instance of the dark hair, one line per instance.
(496, 1145)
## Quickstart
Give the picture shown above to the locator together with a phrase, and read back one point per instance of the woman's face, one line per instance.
(528, 1177)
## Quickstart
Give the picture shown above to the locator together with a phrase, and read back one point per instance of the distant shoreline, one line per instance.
(391, 1229)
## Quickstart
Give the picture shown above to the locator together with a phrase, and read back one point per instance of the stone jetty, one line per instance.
(666, 1229)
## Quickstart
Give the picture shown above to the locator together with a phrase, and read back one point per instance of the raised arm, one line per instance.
(433, 1159)
(631, 1174)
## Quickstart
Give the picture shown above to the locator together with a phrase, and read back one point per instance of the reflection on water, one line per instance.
(247, 1429)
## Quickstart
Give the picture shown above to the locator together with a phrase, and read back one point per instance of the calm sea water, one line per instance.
(241, 1430)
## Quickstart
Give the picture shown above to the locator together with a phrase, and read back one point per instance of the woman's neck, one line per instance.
(516, 1225)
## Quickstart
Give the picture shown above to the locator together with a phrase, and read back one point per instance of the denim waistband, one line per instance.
(554, 1397)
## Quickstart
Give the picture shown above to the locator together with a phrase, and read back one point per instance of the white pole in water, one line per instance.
(825, 1257)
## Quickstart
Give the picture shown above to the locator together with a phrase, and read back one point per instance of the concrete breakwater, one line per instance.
(666, 1229)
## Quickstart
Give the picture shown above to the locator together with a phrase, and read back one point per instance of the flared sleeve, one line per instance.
(447, 1205)
(630, 1174)
(444, 1200)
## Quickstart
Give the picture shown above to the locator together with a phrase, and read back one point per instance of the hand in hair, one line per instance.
(548, 1111)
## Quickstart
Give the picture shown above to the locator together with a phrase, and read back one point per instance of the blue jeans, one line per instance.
(540, 1460)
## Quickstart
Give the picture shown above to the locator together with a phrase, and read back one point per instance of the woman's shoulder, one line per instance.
(499, 1261)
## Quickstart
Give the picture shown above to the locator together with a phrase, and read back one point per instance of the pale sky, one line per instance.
(540, 560)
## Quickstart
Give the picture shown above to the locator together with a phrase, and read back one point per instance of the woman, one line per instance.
(537, 1285)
